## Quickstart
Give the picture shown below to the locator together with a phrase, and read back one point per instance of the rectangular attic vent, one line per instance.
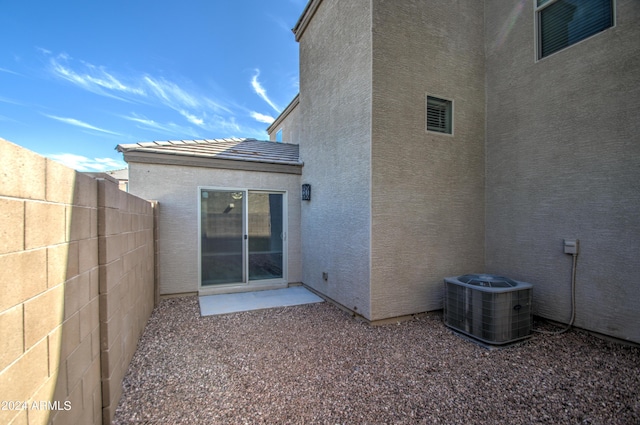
(439, 115)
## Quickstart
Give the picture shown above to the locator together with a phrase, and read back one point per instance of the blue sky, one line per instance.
(78, 77)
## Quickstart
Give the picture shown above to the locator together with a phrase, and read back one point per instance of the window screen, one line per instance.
(562, 23)
(439, 114)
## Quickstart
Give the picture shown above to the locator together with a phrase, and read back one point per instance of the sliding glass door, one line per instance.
(222, 236)
(266, 235)
(242, 236)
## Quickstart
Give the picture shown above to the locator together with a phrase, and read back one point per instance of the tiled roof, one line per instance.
(235, 149)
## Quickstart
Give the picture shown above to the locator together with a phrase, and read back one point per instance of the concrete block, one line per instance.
(94, 276)
(73, 260)
(112, 386)
(60, 182)
(57, 264)
(123, 200)
(108, 194)
(61, 390)
(44, 224)
(22, 276)
(71, 416)
(14, 417)
(91, 379)
(44, 393)
(22, 378)
(73, 293)
(94, 222)
(43, 314)
(11, 335)
(78, 362)
(83, 297)
(55, 347)
(110, 248)
(110, 275)
(11, 225)
(89, 318)
(109, 304)
(97, 406)
(95, 342)
(110, 331)
(87, 254)
(86, 191)
(112, 358)
(109, 222)
(70, 336)
(23, 172)
(78, 222)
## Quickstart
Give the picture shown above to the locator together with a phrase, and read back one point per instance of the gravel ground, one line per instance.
(315, 364)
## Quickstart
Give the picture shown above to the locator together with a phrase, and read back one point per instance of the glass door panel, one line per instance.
(266, 234)
(221, 236)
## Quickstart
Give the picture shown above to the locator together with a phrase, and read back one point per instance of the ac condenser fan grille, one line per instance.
(493, 309)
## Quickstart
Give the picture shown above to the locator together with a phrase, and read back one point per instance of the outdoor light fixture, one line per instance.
(306, 192)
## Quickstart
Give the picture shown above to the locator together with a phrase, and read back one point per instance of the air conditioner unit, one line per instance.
(493, 309)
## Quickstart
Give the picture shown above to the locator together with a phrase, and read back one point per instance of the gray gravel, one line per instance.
(315, 364)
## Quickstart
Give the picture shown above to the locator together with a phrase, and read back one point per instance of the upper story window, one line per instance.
(561, 23)
(439, 115)
(279, 135)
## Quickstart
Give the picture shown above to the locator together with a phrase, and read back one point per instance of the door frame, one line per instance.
(246, 285)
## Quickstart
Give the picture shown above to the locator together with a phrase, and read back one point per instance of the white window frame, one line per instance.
(538, 33)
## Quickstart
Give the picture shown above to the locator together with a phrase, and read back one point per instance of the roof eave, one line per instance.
(292, 105)
(307, 14)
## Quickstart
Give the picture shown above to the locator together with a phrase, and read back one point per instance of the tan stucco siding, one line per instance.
(289, 123)
(563, 161)
(176, 188)
(427, 188)
(335, 117)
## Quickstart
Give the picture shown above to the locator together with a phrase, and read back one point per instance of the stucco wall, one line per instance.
(176, 189)
(335, 118)
(76, 289)
(289, 123)
(563, 161)
(427, 188)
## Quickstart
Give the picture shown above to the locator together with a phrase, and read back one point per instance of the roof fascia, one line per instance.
(227, 164)
(305, 18)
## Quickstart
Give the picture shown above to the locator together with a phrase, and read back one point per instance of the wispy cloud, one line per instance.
(93, 78)
(11, 101)
(260, 91)
(167, 129)
(8, 71)
(82, 163)
(194, 114)
(267, 119)
(82, 124)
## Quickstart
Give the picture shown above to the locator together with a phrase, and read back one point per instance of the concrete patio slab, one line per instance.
(211, 305)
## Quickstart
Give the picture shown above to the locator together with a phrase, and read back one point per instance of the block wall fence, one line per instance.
(77, 286)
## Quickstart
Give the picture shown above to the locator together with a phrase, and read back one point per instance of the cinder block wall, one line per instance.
(76, 256)
(126, 263)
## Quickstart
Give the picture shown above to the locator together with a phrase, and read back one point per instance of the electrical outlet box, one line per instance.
(571, 246)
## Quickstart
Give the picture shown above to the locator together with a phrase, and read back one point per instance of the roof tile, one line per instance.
(235, 149)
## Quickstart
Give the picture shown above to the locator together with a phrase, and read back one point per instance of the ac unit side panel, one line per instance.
(490, 316)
